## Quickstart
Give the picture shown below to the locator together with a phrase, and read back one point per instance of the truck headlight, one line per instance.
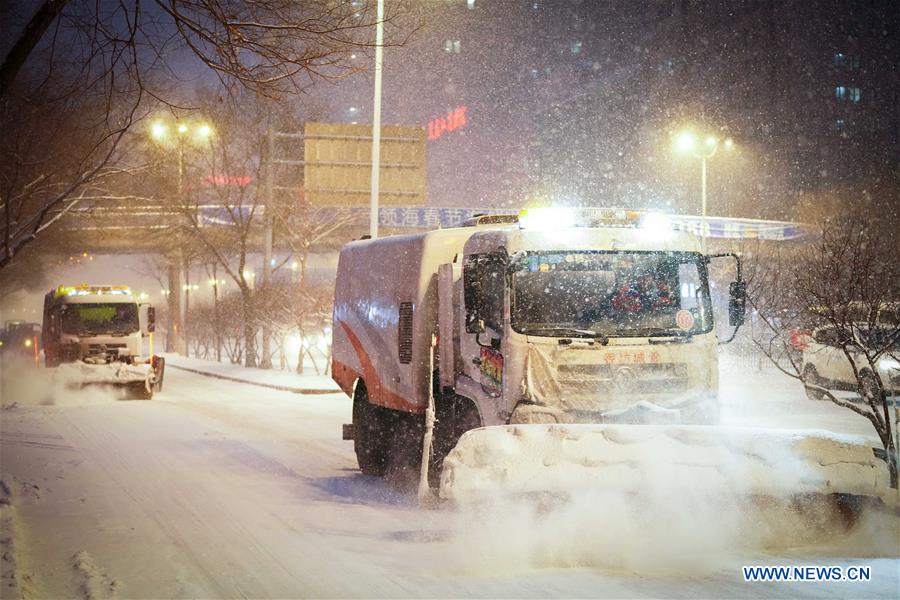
(28, 343)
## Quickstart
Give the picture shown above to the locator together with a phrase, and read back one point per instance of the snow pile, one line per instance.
(561, 459)
(671, 532)
(673, 499)
(94, 582)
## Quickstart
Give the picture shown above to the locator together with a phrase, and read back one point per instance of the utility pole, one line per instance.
(265, 359)
(173, 296)
(704, 226)
(187, 301)
(376, 120)
(181, 291)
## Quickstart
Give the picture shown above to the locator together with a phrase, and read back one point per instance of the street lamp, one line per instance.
(687, 142)
(184, 131)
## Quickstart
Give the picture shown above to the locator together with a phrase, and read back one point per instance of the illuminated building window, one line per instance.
(840, 59)
(470, 4)
(840, 125)
(855, 94)
(452, 46)
(840, 92)
(575, 46)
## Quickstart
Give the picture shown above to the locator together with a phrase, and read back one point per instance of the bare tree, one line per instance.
(76, 77)
(846, 283)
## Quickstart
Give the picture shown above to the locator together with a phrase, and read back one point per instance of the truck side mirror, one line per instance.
(151, 319)
(737, 305)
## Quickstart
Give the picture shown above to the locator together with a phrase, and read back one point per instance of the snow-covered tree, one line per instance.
(837, 298)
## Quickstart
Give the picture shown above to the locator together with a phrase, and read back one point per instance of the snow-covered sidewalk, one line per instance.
(284, 381)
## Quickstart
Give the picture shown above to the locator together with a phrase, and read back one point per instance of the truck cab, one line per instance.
(102, 326)
(96, 324)
(596, 325)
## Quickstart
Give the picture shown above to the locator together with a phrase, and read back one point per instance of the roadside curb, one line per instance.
(273, 386)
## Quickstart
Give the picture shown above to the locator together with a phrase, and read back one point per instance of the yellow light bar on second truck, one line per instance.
(87, 290)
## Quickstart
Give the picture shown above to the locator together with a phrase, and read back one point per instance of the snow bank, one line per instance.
(281, 380)
(523, 459)
(675, 499)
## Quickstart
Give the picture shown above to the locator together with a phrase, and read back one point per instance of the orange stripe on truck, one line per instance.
(378, 393)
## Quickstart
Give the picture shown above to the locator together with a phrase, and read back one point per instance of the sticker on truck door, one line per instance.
(684, 319)
(491, 371)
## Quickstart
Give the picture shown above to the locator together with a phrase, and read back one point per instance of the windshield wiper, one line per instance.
(569, 331)
(654, 332)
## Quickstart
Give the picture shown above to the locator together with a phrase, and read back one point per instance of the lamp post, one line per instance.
(214, 282)
(376, 120)
(176, 134)
(688, 142)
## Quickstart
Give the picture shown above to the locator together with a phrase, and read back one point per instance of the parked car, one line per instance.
(826, 365)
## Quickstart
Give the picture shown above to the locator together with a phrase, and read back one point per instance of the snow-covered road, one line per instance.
(223, 489)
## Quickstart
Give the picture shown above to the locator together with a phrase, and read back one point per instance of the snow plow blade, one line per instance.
(122, 380)
(564, 460)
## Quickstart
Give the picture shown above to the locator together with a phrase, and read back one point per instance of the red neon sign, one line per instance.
(454, 120)
(240, 180)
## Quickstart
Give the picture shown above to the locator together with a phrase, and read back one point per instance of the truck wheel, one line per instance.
(454, 418)
(404, 461)
(160, 373)
(811, 376)
(139, 391)
(372, 433)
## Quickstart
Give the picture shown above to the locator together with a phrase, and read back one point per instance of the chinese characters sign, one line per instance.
(454, 120)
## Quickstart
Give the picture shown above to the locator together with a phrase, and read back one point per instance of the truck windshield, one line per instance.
(610, 294)
(112, 318)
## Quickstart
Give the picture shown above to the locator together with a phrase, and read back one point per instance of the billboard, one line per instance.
(337, 166)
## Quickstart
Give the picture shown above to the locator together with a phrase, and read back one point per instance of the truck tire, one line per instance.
(160, 374)
(139, 391)
(404, 461)
(455, 416)
(372, 433)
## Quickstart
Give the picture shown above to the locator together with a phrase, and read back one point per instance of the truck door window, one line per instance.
(693, 292)
(484, 278)
(493, 285)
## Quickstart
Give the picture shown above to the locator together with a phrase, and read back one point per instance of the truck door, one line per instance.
(481, 344)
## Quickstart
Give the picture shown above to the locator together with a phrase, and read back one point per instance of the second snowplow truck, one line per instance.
(551, 324)
(93, 335)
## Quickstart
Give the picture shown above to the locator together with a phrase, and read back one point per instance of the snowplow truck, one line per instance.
(562, 334)
(93, 335)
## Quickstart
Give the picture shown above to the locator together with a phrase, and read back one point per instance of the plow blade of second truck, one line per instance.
(120, 379)
(563, 461)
